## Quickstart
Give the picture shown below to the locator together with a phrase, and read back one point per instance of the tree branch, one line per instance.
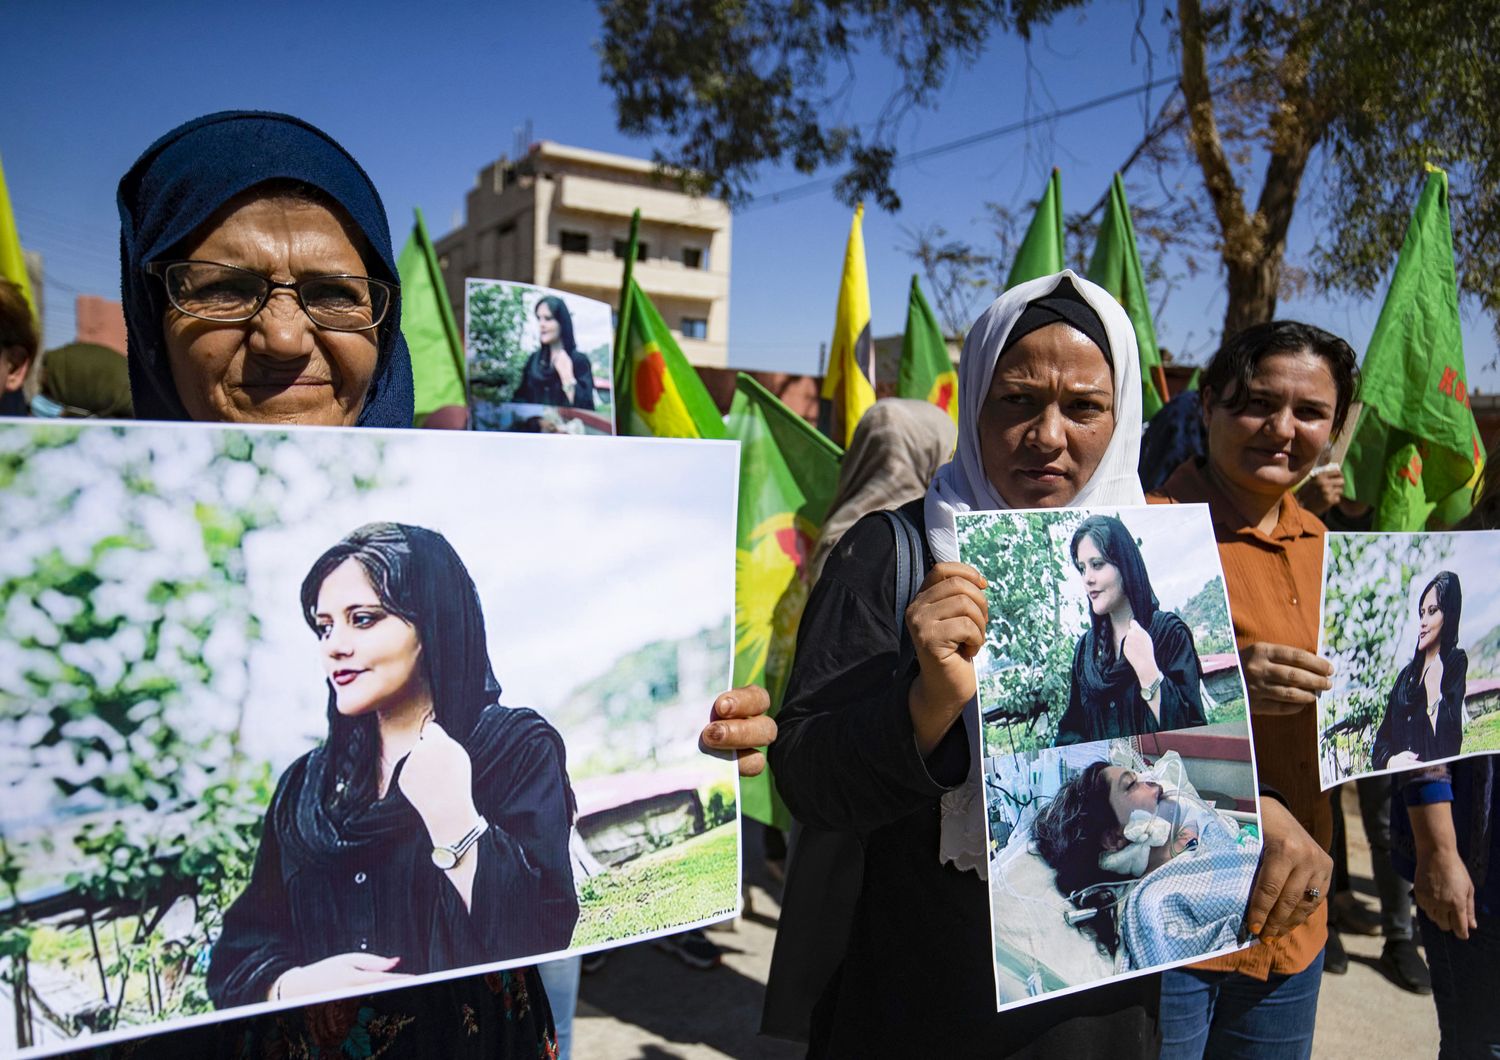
(1225, 193)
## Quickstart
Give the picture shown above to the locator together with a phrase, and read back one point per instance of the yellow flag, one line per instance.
(12, 261)
(846, 385)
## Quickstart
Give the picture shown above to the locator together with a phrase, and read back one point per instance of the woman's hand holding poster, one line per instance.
(1119, 778)
(296, 714)
(1412, 626)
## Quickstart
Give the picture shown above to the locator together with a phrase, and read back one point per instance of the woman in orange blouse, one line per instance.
(1273, 396)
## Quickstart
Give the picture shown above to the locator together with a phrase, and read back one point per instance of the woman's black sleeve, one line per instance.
(1181, 678)
(255, 945)
(1074, 726)
(526, 389)
(583, 378)
(1384, 746)
(845, 756)
(1450, 732)
(523, 900)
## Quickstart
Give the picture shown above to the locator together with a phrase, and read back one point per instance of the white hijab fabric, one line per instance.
(961, 486)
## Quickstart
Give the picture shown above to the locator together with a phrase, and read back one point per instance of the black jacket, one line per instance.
(1109, 705)
(541, 385)
(318, 889)
(1405, 726)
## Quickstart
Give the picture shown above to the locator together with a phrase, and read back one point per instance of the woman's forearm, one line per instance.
(1432, 829)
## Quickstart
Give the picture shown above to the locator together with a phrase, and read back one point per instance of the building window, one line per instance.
(621, 245)
(694, 328)
(694, 258)
(573, 242)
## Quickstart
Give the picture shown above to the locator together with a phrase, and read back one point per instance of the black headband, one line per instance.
(1062, 305)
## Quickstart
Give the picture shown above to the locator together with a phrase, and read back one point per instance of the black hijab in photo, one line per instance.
(183, 179)
(1103, 671)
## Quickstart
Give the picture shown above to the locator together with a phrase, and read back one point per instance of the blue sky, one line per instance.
(425, 102)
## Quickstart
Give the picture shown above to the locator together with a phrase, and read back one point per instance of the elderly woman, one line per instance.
(1272, 397)
(260, 287)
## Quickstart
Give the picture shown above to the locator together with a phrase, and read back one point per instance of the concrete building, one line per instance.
(560, 217)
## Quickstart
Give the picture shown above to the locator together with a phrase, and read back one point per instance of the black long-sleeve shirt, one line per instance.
(378, 891)
(1405, 726)
(1120, 710)
(918, 976)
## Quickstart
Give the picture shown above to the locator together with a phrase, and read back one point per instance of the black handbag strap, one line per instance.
(911, 570)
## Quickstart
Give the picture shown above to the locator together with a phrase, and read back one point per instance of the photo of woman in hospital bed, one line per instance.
(1111, 866)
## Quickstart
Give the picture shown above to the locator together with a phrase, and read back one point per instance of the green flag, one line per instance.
(1416, 444)
(657, 392)
(1116, 266)
(1041, 252)
(926, 374)
(437, 349)
(1194, 379)
(788, 475)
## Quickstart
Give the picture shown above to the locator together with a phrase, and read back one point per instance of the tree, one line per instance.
(1266, 90)
(497, 319)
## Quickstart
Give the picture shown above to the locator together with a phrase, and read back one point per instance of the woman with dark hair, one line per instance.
(430, 829)
(1075, 828)
(1135, 669)
(1424, 714)
(1273, 396)
(556, 374)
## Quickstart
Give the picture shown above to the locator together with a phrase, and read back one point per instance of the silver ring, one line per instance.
(1312, 894)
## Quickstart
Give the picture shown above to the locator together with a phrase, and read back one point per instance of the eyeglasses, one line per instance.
(227, 294)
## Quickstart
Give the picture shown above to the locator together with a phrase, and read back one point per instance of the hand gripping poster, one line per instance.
(1411, 623)
(290, 715)
(1119, 779)
(539, 360)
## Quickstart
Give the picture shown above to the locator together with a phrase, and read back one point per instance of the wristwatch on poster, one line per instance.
(1148, 693)
(447, 857)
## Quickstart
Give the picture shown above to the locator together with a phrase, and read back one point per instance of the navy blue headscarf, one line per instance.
(183, 179)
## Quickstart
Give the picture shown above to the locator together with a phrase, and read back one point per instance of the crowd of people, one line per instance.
(874, 741)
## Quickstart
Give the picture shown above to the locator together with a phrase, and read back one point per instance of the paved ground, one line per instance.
(646, 1005)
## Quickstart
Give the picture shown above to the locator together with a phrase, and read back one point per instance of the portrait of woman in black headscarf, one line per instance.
(429, 830)
(556, 374)
(1135, 669)
(1424, 713)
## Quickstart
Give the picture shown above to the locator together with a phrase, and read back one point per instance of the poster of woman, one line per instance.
(1103, 624)
(286, 715)
(1415, 644)
(1115, 858)
(539, 360)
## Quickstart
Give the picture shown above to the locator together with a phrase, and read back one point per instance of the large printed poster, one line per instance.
(300, 714)
(539, 359)
(1411, 624)
(1118, 772)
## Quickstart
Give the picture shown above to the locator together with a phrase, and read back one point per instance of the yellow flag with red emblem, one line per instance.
(788, 475)
(926, 372)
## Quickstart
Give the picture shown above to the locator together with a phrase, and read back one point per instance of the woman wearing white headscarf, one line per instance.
(1050, 415)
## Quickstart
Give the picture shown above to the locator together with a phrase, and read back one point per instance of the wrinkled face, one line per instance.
(1429, 621)
(1274, 441)
(1101, 579)
(1128, 793)
(278, 366)
(546, 324)
(1047, 418)
(373, 658)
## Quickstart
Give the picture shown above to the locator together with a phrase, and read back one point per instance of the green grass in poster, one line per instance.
(661, 888)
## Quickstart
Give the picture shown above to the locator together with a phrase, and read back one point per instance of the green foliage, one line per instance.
(1484, 656)
(720, 805)
(1364, 614)
(129, 624)
(1033, 629)
(497, 317)
(1483, 734)
(689, 881)
(1208, 617)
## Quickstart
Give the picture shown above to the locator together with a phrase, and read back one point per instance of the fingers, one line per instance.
(373, 962)
(1467, 922)
(961, 571)
(1283, 916)
(748, 702)
(1286, 655)
(923, 615)
(1276, 676)
(752, 763)
(1269, 880)
(738, 734)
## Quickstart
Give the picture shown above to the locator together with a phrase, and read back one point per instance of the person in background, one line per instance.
(1446, 839)
(83, 379)
(18, 345)
(1273, 397)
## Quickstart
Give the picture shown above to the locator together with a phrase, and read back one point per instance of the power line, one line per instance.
(823, 183)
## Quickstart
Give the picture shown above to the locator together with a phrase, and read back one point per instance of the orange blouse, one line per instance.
(1274, 582)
